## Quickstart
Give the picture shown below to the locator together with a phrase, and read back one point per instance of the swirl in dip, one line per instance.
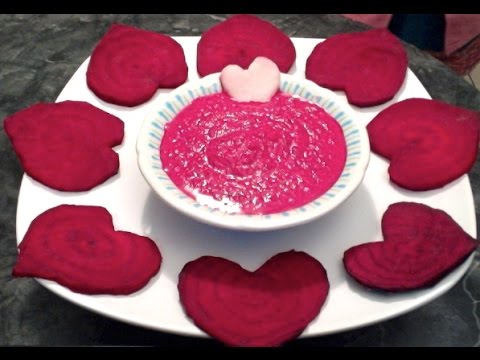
(252, 157)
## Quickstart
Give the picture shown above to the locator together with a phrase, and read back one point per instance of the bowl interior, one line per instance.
(151, 132)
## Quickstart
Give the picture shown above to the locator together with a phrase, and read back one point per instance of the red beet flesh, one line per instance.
(128, 65)
(429, 143)
(370, 66)
(266, 307)
(77, 247)
(421, 245)
(239, 40)
(66, 145)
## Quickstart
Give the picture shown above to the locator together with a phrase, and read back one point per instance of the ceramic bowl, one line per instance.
(165, 109)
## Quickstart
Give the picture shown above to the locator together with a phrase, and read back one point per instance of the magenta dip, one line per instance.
(253, 158)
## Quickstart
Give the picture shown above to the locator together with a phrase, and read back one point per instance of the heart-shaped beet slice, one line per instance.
(266, 307)
(429, 143)
(129, 65)
(67, 145)
(421, 245)
(239, 40)
(369, 66)
(77, 247)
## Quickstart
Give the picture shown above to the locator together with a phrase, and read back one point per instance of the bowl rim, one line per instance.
(175, 198)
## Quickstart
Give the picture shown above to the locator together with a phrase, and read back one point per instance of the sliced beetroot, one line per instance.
(129, 65)
(266, 307)
(239, 40)
(77, 247)
(410, 220)
(66, 145)
(370, 66)
(421, 245)
(429, 143)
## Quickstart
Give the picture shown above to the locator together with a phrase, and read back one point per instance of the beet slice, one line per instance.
(370, 66)
(66, 145)
(412, 221)
(266, 307)
(429, 143)
(77, 247)
(239, 40)
(128, 65)
(421, 245)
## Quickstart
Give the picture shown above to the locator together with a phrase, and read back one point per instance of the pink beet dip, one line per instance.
(253, 158)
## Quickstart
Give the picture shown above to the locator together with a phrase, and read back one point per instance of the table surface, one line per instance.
(39, 53)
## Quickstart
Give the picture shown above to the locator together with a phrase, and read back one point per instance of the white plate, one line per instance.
(136, 208)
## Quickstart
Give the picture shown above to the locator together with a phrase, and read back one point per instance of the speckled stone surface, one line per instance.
(39, 53)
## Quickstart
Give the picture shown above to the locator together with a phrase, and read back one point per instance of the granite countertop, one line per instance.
(39, 53)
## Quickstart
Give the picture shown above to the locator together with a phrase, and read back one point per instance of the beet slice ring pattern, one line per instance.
(370, 66)
(239, 40)
(67, 145)
(266, 307)
(421, 245)
(77, 247)
(429, 143)
(129, 65)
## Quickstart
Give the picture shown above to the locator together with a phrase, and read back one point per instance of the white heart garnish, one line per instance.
(258, 83)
